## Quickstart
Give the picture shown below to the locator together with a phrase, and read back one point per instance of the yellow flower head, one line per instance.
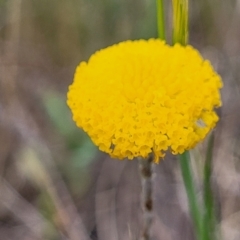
(139, 97)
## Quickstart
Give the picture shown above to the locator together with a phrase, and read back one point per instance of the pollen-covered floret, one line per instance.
(139, 97)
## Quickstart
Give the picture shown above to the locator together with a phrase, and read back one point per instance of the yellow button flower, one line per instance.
(139, 97)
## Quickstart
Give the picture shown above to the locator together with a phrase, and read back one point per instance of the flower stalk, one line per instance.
(146, 174)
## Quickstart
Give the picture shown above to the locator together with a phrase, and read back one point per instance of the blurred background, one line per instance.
(54, 183)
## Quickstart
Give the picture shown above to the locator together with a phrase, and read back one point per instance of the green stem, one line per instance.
(191, 194)
(161, 20)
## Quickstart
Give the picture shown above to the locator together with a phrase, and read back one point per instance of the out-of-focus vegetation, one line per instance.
(55, 184)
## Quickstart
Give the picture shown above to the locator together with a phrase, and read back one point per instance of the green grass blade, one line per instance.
(209, 216)
(180, 21)
(161, 20)
(191, 194)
